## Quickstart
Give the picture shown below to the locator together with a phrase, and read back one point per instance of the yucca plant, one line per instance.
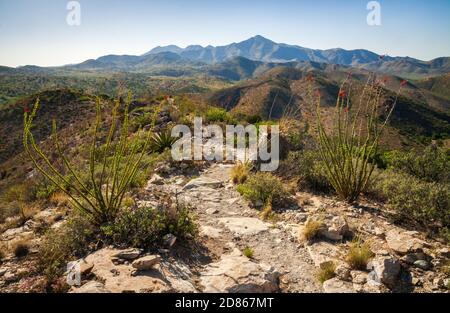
(110, 172)
(346, 151)
(162, 141)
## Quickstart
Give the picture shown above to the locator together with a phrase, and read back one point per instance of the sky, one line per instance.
(36, 31)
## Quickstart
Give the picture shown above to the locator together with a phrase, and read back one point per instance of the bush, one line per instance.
(219, 115)
(260, 188)
(72, 241)
(248, 252)
(416, 201)
(326, 271)
(359, 255)
(307, 167)
(240, 172)
(146, 227)
(21, 249)
(431, 164)
(311, 229)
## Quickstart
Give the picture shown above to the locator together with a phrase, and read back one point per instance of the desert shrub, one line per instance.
(59, 246)
(431, 165)
(248, 252)
(262, 187)
(311, 229)
(359, 255)
(326, 272)
(240, 172)
(162, 141)
(307, 167)
(109, 177)
(219, 115)
(21, 249)
(146, 227)
(347, 150)
(414, 200)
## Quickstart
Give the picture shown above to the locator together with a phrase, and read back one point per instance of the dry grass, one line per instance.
(311, 229)
(267, 213)
(59, 199)
(359, 255)
(326, 272)
(240, 172)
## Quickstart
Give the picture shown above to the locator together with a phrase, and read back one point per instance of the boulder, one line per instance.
(403, 242)
(235, 273)
(323, 252)
(146, 263)
(422, 264)
(336, 285)
(128, 254)
(385, 269)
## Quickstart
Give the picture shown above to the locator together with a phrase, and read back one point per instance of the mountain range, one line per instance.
(252, 56)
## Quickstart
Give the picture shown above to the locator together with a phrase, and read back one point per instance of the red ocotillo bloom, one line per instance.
(26, 110)
(342, 94)
(403, 83)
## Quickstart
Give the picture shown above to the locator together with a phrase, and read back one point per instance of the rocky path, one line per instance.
(230, 226)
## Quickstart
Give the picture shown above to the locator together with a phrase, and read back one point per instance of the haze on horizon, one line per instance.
(36, 32)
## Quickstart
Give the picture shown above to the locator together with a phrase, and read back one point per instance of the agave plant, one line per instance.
(162, 141)
(110, 172)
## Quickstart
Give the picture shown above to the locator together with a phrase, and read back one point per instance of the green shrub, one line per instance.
(248, 252)
(416, 200)
(146, 227)
(307, 167)
(431, 165)
(59, 246)
(219, 115)
(262, 187)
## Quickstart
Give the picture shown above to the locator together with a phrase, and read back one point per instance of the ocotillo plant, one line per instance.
(112, 167)
(346, 151)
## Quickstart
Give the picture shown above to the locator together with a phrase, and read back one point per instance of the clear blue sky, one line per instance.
(36, 32)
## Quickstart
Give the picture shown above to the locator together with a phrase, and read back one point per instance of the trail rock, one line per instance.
(422, 264)
(146, 263)
(237, 274)
(323, 252)
(91, 287)
(336, 285)
(403, 242)
(244, 225)
(385, 270)
(211, 232)
(203, 182)
(129, 254)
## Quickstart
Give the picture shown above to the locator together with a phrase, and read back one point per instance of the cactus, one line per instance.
(101, 197)
(347, 150)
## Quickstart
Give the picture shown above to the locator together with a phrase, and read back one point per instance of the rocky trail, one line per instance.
(404, 261)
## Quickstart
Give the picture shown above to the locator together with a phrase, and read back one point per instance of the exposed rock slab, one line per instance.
(323, 252)
(403, 242)
(244, 225)
(336, 285)
(235, 273)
